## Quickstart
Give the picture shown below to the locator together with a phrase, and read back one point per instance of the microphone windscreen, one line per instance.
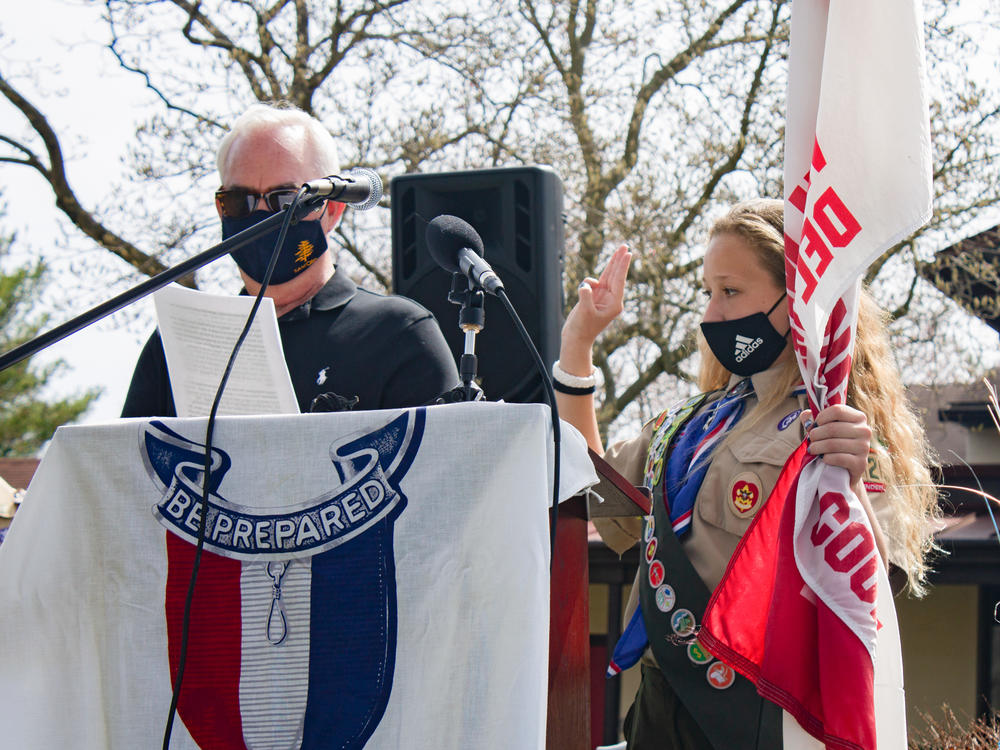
(362, 174)
(446, 235)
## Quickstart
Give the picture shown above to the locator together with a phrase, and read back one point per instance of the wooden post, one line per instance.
(568, 725)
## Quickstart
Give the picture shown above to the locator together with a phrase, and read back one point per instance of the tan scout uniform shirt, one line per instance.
(751, 463)
(738, 482)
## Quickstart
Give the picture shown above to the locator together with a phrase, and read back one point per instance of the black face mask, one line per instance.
(304, 243)
(747, 345)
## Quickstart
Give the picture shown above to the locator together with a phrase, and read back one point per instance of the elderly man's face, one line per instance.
(268, 159)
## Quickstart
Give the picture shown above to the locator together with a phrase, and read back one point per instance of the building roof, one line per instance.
(948, 412)
(18, 471)
(969, 273)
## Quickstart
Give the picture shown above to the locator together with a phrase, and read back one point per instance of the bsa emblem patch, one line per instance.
(682, 622)
(698, 654)
(651, 550)
(788, 420)
(720, 675)
(745, 494)
(656, 573)
(273, 605)
(665, 598)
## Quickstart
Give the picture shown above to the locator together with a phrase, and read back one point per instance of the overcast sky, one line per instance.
(87, 95)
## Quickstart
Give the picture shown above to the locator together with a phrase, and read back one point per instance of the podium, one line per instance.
(569, 706)
(373, 579)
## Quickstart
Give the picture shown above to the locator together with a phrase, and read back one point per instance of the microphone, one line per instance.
(360, 188)
(456, 247)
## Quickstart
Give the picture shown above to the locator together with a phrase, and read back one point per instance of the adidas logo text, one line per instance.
(746, 346)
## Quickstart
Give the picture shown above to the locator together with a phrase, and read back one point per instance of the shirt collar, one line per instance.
(336, 292)
(762, 381)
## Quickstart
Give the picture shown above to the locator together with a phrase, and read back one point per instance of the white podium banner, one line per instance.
(373, 579)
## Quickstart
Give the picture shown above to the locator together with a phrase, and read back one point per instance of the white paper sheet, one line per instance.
(199, 331)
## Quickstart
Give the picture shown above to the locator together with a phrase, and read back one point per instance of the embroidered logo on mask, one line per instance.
(746, 346)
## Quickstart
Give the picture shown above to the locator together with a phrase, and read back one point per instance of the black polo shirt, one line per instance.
(387, 351)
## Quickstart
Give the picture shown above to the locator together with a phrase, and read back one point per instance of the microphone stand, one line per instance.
(43, 340)
(471, 320)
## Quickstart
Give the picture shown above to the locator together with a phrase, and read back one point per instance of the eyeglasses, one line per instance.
(238, 203)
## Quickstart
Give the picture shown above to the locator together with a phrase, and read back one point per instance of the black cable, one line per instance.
(553, 410)
(209, 432)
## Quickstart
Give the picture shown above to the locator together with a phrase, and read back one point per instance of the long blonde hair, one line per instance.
(903, 455)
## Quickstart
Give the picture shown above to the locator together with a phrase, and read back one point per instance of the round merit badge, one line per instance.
(744, 494)
(665, 598)
(651, 549)
(655, 573)
(682, 622)
(650, 528)
(698, 654)
(720, 676)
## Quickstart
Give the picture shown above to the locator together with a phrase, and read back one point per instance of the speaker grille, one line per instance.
(408, 235)
(522, 226)
(518, 213)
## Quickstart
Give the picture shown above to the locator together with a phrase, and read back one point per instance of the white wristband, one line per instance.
(573, 381)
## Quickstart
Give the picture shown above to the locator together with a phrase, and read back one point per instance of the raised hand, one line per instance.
(600, 301)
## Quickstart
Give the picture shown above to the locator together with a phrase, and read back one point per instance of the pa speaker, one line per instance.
(518, 213)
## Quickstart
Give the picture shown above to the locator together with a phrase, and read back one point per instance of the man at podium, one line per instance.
(356, 348)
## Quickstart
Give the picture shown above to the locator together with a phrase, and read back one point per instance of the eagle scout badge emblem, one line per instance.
(745, 495)
(279, 635)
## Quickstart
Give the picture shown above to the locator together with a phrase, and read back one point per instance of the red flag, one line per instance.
(828, 690)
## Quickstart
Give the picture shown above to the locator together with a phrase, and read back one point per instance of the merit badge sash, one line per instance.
(673, 598)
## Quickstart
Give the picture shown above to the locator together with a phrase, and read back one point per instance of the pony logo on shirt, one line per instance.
(292, 637)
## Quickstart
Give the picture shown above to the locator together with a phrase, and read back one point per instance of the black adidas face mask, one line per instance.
(746, 345)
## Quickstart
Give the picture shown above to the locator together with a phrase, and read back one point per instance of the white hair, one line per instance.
(281, 116)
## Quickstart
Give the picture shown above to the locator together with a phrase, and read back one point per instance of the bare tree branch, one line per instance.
(66, 200)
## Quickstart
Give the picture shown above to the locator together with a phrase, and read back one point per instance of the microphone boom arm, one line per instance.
(46, 339)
